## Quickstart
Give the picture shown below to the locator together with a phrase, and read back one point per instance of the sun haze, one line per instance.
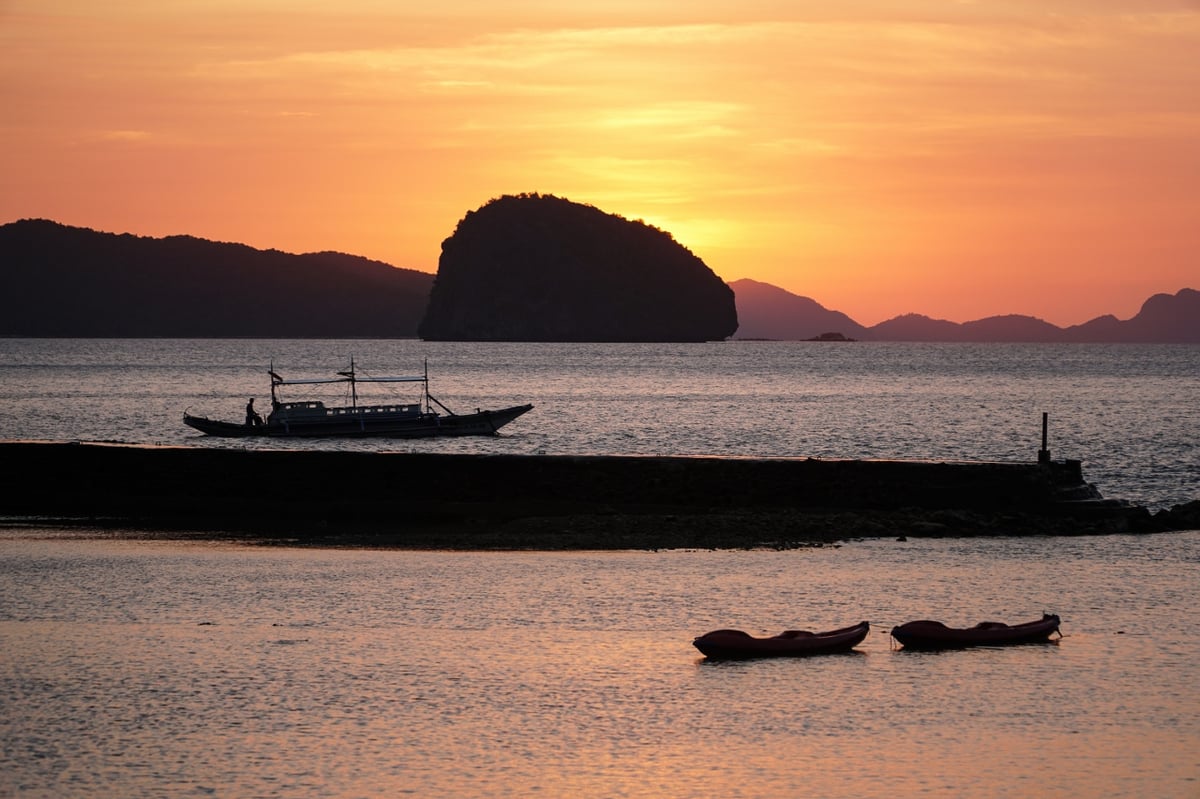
(956, 159)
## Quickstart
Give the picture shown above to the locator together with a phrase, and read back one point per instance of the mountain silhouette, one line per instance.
(1010, 327)
(536, 267)
(1162, 318)
(913, 327)
(766, 311)
(769, 312)
(62, 281)
(69, 281)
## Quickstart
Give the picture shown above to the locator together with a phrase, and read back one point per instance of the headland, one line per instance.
(439, 501)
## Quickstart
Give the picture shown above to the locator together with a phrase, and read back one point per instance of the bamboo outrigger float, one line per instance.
(313, 419)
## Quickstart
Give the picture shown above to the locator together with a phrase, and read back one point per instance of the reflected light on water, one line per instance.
(133, 668)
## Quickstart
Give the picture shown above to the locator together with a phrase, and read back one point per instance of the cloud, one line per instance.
(124, 135)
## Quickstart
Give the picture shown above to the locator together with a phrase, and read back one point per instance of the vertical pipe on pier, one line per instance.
(1044, 453)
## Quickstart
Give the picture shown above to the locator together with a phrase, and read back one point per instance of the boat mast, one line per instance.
(275, 380)
(353, 386)
(430, 400)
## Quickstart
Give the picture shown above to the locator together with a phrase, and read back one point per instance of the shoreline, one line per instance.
(545, 502)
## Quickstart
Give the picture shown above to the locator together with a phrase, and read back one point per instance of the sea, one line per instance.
(139, 667)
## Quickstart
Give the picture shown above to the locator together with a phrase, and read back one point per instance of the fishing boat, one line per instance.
(313, 419)
(926, 634)
(737, 645)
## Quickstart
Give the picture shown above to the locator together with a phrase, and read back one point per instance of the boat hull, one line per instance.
(926, 634)
(738, 645)
(481, 423)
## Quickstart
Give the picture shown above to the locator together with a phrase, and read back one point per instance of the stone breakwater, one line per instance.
(416, 500)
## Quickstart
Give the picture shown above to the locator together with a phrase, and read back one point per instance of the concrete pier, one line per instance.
(544, 501)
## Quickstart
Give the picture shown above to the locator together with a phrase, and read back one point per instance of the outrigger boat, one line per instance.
(740, 645)
(313, 419)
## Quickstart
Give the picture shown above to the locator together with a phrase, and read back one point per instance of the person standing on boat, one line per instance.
(252, 417)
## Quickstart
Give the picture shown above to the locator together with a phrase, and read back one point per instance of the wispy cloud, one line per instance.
(124, 135)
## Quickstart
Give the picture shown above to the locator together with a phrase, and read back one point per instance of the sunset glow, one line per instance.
(958, 160)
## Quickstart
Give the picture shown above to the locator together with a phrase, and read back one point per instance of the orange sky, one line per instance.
(957, 159)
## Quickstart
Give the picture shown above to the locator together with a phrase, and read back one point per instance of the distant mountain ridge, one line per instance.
(63, 281)
(769, 312)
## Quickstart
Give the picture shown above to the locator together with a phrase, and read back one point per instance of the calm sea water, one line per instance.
(135, 668)
(1130, 413)
(148, 669)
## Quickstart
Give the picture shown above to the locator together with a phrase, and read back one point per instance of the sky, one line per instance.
(954, 159)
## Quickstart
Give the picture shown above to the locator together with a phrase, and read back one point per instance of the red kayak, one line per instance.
(735, 644)
(927, 634)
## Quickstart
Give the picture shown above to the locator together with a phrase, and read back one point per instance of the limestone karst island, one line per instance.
(540, 268)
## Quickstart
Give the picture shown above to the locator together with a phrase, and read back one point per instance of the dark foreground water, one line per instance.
(1130, 413)
(146, 669)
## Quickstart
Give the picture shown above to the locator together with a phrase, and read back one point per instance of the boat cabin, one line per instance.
(312, 410)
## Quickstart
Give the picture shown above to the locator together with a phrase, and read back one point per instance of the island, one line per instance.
(534, 267)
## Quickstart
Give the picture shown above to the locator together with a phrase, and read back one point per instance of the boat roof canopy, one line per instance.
(347, 376)
(279, 381)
